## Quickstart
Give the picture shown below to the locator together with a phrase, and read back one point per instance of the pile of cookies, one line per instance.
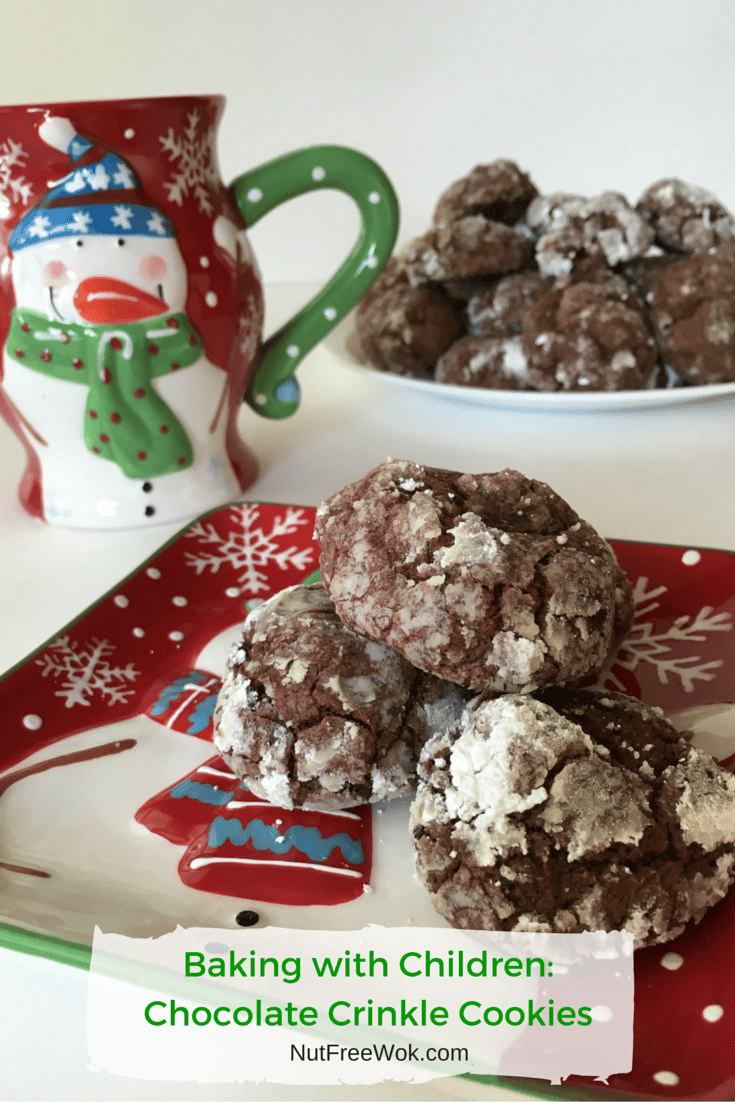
(443, 651)
(510, 289)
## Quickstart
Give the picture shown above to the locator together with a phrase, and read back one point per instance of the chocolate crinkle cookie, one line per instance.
(686, 217)
(497, 363)
(491, 581)
(590, 333)
(587, 233)
(311, 715)
(692, 307)
(473, 246)
(572, 811)
(499, 191)
(501, 310)
(402, 328)
(492, 356)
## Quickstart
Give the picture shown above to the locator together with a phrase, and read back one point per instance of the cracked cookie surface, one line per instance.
(568, 811)
(491, 581)
(311, 715)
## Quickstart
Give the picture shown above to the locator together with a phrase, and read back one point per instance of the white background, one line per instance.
(585, 94)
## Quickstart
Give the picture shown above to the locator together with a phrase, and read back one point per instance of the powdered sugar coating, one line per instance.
(467, 577)
(568, 811)
(686, 217)
(584, 232)
(311, 715)
(543, 209)
(495, 362)
(501, 310)
(469, 247)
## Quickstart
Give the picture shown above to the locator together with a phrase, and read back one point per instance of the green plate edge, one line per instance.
(43, 945)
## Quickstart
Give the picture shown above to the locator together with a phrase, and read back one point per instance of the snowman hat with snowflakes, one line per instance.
(101, 195)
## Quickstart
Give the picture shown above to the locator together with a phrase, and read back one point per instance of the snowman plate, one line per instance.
(110, 786)
(342, 343)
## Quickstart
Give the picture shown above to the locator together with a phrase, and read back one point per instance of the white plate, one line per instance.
(342, 343)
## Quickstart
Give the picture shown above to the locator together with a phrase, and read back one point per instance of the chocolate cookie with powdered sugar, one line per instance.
(491, 580)
(572, 810)
(311, 715)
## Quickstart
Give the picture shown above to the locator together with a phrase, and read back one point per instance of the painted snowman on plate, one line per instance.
(107, 374)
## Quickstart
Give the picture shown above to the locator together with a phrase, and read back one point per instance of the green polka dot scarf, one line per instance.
(125, 419)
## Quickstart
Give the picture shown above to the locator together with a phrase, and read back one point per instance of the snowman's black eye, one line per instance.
(79, 244)
(121, 240)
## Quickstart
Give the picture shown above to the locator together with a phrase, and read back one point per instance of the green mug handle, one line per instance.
(274, 391)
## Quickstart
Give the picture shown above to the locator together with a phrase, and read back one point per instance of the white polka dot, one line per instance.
(255, 194)
(601, 1014)
(232, 591)
(129, 133)
(374, 197)
(32, 722)
(318, 173)
(712, 1013)
(330, 313)
(138, 633)
(153, 572)
(176, 636)
(121, 601)
(672, 961)
(666, 1078)
(261, 399)
(293, 350)
(180, 601)
(204, 261)
(691, 558)
(211, 299)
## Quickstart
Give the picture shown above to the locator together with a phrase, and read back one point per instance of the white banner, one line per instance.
(357, 1007)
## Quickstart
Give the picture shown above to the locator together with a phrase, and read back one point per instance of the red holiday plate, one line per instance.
(115, 811)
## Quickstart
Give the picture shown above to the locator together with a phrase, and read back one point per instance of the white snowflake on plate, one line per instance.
(248, 548)
(85, 670)
(14, 188)
(662, 648)
(196, 164)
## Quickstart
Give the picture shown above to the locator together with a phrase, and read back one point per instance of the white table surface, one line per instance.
(654, 476)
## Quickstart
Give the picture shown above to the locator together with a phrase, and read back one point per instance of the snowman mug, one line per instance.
(131, 305)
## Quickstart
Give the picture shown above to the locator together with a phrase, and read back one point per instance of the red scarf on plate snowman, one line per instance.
(127, 336)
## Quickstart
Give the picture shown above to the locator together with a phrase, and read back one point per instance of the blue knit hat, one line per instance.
(101, 196)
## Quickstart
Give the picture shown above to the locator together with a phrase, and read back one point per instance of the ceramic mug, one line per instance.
(131, 305)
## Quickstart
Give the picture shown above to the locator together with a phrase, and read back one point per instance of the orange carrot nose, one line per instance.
(102, 300)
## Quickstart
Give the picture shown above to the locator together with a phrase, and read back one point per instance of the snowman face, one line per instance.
(100, 278)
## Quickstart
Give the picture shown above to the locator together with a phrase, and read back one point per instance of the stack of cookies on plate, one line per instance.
(513, 290)
(443, 651)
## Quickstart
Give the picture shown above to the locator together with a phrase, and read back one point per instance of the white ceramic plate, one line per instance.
(343, 345)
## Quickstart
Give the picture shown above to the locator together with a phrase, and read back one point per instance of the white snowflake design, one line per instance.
(196, 164)
(659, 648)
(85, 671)
(14, 188)
(249, 548)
